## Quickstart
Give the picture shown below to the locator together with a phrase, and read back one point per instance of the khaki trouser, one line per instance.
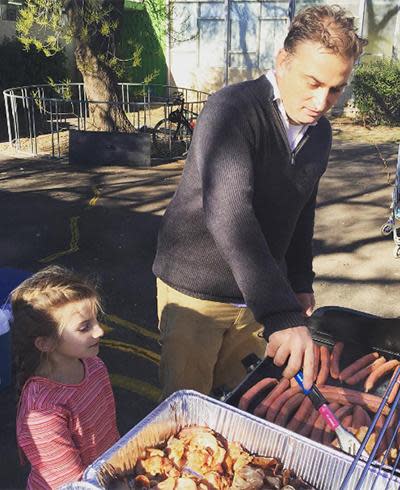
(203, 342)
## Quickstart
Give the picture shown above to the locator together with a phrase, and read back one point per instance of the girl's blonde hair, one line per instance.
(33, 304)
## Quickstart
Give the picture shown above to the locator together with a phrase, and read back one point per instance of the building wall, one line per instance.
(220, 42)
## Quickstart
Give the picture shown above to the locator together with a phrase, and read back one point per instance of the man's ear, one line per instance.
(281, 60)
(44, 344)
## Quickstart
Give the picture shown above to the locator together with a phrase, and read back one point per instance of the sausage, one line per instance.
(347, 396)
(347, 421)
(363, 373)
(261, 408)
(343, 411)
(250, 394)
(359, 419)
(395, 389)
(335, 359)
(324, 369)
(379, 372)
(377, 430)
(357, 365)
(306, 429)
(368, 420)
(277, 404)
(301, 415)
(316, 361)
(288, 408)
(389, 431)
(318, 429)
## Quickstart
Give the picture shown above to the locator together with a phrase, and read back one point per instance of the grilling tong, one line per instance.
(347, 441)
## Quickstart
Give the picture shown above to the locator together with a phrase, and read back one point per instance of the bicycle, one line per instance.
(172, 135)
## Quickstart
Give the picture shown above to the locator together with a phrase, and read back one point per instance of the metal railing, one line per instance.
(39, 116)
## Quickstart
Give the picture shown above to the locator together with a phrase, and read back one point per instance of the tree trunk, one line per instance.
(106, 111)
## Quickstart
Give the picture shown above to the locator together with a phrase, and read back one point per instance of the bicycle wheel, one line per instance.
(170, 139)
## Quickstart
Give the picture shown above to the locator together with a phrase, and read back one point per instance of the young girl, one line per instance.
(66, 414)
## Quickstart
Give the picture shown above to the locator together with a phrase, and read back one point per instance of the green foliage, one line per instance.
(27, 67)
(376, 88)
(21, 67)
(142, 42)
(50, 26)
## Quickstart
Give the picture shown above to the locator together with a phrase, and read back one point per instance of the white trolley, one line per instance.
(390, 226)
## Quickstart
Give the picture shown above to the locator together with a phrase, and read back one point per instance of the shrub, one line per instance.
(20, 67)
(376, 89)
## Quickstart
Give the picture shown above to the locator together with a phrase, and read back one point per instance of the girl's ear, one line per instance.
(44, 344)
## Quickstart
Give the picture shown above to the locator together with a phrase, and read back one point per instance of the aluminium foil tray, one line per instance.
(320, 466)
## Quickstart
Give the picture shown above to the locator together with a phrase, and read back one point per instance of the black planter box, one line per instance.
(94, 148)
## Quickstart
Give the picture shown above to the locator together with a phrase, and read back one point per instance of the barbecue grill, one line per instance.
(362, 333)
(321, 466)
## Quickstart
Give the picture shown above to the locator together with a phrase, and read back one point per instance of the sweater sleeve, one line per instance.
(46, 442)
(224, 150)
(299, 255)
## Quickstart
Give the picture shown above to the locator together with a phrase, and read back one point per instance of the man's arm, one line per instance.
(299, 255)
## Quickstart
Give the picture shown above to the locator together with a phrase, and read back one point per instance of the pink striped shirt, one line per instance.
(63, 428)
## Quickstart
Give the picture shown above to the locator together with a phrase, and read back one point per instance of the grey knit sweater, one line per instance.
(239, 227)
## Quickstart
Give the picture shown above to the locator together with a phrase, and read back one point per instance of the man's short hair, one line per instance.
(328, 25)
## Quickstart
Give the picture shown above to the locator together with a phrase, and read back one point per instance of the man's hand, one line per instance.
(307, 302)
(294, 346)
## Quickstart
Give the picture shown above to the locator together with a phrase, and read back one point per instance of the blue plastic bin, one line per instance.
(9, 279)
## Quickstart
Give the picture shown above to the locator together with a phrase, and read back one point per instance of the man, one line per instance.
(234, 257)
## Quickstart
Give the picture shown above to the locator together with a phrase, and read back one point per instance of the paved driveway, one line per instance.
(104, 222)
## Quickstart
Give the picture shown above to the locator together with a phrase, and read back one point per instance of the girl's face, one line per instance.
(81, 332)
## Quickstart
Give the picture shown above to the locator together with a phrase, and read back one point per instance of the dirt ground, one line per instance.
(104, 220)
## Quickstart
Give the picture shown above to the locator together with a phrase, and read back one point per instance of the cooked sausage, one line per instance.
(359, 419)
(347, 421)
(277, 404)
(318, 429)
(377, 430)
(306, 429)
(368, 420)
(335, 359)
(363, 373)
(316, 361)
(288, 408)
(301, 415)
(346, 396)
(357, 365)
(395, 389)
(389, 431)
(261, 408)
(324, 369)
(252, 392)
(343, 411)
(385, 368)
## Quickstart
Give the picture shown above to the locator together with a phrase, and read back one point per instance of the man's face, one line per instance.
(311, 80)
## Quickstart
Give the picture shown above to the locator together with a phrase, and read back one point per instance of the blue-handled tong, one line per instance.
(347, 441)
